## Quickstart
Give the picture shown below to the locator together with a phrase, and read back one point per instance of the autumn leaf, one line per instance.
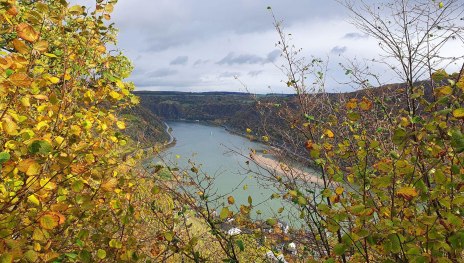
(29, 167)
(41, 46)
(230, 200)
(352, 104)
(20, 46)
(27, 32)
(365, 104)
(49, 221)
(20, 80)
(407, 193)
(329, 133)
(309, 145)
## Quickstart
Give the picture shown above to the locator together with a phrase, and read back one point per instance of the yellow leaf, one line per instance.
(47, 184)
(20, 79)
(33, 199)
(76, 10)
(29, 166)
(101, 49)
(41, 46)
(248, 130)
(444, 91)
(40, 97)
(54, 80)
(59, 140)
(339, 190)
(121, 125)
(25, 102)
(329, 133)
(109, 8)
(110, 184)
(10, 127)
(115, 95)
(407, 192)
(459, 113)
(27, 32)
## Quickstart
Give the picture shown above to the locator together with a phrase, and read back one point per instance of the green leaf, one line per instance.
(302, 201)
(354, 116)
(224, 213)
(439, 75)
(395, 245)
(40, 146)
(250, 200)
(169, 236)
(271, 221)
(240, 245)
(85, 256)
(399, 136)
(4, 157)
(339, 249)
(115, 243)
(31, 256)
(457, 141)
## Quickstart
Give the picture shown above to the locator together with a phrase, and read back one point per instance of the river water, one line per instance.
(219, 154)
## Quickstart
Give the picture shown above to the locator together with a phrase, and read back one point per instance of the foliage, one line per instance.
(65, 193)
(392, 164)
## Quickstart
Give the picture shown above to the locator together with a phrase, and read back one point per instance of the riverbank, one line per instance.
(171, 138)
(285, 170)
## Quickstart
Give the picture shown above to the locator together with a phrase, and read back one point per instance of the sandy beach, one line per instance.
(284, 170)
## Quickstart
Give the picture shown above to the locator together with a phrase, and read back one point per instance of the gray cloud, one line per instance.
(338, 50)
(355, 36)
(230, 74)
(181, 60)
(255, 73)
(274, 55)
(201, 61)
(232, 58)
(161, 73)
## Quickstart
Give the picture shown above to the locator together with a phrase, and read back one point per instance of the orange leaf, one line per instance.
(20, 46)
(20, 79)
(230, 200)
(27, 32)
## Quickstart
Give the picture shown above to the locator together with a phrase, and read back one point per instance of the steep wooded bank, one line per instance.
(144, 127)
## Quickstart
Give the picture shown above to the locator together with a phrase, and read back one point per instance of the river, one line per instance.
(219, 154)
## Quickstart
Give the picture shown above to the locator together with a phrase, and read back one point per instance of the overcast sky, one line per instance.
(203, 45)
